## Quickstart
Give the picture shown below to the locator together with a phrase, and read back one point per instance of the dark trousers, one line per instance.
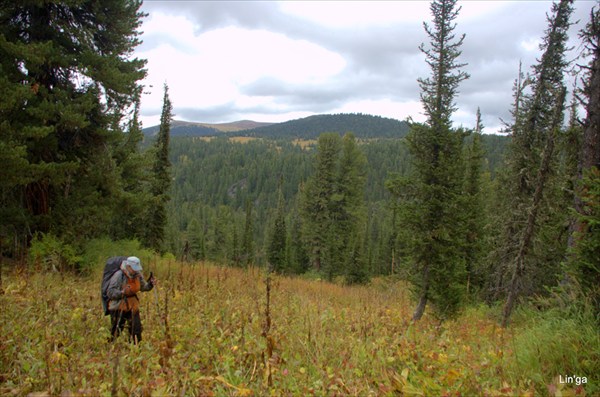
(131, 319)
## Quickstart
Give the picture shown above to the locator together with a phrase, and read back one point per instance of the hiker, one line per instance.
(123, 303)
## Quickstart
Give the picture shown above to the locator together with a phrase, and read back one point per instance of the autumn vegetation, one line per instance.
(204, 335)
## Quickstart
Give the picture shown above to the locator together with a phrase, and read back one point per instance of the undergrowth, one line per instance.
(204, 335)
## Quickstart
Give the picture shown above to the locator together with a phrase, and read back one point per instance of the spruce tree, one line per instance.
(194, 238)
(277, 249)
(526, 263)
(67, 80)
(585, 240)
(133, 201)
(248, 237)
(317, 193)
(475, 219)
(332, 207)
(298, 256)
(350, 210)
(430, 198)
(161, 182)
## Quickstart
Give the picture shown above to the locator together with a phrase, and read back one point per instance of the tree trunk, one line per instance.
(424, 295)
(528, 234)
(421, 306)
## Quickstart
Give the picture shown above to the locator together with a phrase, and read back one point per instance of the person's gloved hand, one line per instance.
(152, 280)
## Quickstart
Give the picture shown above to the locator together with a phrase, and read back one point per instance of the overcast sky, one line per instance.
(275, 61)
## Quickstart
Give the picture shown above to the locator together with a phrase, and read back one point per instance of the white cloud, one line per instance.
(272, 61)
(213, 67)
(343, 14)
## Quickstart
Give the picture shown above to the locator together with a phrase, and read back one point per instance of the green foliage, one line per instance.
(438, 90)
(585, 266)
(239, 173)
(66, 86)
(134, 198)
(476, 239)
(554, 343)
(540, 243)
(278, 243)
(156, 218)
(360, 125)
(97, 251)
(248, 236)
(332, 207)
(430, 200)
(48, 252)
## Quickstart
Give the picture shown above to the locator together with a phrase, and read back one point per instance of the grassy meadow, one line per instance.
(207, 331)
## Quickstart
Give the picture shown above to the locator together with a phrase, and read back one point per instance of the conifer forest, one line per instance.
(334, 255)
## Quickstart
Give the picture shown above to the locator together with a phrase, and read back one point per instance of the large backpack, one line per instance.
(112, 266)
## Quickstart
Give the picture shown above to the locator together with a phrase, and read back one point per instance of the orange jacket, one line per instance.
(117, 287)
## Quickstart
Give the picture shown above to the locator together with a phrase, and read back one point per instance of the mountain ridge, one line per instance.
(362, 125)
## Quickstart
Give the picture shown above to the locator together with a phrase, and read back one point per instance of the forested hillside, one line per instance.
(214, 179)
(361, 125)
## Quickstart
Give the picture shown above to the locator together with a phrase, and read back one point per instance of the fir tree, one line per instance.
(277, 249)
(133, 201)
(248, 237)
(298, 257)
(526, 263)
(431, 207)
(333, 207)
(473, 205)
(350, 210)
(317, 202)
(66, 88)
(161, 183)
(585, 240)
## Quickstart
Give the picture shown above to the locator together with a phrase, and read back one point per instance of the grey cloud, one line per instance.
(382, 61)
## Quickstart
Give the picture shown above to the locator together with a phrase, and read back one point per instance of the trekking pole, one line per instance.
(117, 330)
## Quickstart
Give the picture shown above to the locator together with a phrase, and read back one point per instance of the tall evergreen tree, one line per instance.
(585, 241)
(590, 155)
(133, 201)
(350, 210)
(473, 205)
(317, 201)
(248, 237)
(277, 249)
(523, 258)
(67, 78)
(298, 256)
(431, 197)
(195, 240)
(161, 183)
(333, 209)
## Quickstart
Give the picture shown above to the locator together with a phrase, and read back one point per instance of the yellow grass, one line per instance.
(304, 143)
(204, 334)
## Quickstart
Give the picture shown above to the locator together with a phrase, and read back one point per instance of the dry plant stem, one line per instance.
(266, 329)
(115, 374)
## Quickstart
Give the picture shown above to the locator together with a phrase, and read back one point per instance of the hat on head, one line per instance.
(135, 263)
(131, 266)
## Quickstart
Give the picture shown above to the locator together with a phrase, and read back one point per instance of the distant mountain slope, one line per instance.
(185, 128)
(190, 128)
(362, 125)
(237, 125)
